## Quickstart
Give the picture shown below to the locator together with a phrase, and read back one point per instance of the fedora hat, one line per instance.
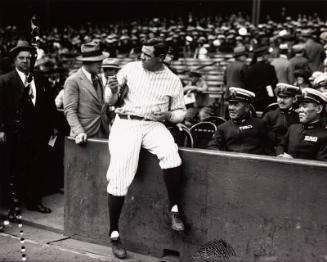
(110, 63)
(91, 52)
(239, 51)
(21, 46)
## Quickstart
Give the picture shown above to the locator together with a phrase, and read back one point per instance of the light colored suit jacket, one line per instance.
(84, 110)
(283, 70)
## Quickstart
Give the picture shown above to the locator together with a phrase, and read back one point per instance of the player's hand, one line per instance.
(81, 138)
(2, 137)
(162, 116)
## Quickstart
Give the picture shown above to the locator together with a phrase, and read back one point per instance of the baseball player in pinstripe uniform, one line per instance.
(155, 95)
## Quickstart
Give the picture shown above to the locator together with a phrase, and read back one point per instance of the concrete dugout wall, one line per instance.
(267, 209)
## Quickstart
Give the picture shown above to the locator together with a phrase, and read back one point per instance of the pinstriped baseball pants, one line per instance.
(125, 141)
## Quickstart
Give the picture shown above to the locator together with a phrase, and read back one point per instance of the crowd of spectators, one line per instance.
(190, 36)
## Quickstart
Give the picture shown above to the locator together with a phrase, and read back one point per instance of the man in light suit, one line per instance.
(84, 106)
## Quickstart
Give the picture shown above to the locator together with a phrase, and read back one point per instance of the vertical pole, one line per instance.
(258, 11)
(254, 10)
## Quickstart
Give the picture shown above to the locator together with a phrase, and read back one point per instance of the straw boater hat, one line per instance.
(91, 52)
(21, 46)
(110, 63)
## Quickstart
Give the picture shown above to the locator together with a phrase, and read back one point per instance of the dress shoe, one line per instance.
(118, 249)
(176, 221)
(39, 208)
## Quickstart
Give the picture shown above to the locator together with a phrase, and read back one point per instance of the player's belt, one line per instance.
(132, 117)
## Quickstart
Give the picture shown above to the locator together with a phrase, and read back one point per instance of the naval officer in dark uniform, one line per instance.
(242, 133)
(279, 120)
(308, 139)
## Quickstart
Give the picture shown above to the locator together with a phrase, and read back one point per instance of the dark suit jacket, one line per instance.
(258, 77)
(17, 116)
(235, 75)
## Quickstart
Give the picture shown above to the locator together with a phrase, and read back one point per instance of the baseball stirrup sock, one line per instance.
(115, 205)
(172, 177)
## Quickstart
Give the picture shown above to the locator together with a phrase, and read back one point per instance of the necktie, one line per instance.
(95, 81)
(29, 89)
(97, 85)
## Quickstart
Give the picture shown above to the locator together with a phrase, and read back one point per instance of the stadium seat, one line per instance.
(217, 120)
(269, 107)
(182, 137)
(202, 133)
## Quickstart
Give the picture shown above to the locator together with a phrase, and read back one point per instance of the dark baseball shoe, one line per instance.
(176, 221)
(118, 249)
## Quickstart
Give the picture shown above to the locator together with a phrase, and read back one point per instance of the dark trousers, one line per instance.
(26, 158)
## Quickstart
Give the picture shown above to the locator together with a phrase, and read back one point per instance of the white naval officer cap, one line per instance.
(320, 81)
(240, 94)
(286, 89)
(312, 95)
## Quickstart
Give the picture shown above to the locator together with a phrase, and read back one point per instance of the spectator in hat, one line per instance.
(298, 61)
(124, 46)
(323, 37)
(84, 105)
(235, 72)
(282, 66)
(279, 119)
(201, 51)
(111, 45)
(194, 88)
(314, 51)
(110, 67)
(261, 79)
(242, 133)
(301, 78)
(320, 83)
(307, 139)
(314, 76)
(27, 121)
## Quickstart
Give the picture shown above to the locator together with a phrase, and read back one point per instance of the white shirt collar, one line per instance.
(87, 74)
(22, 76)
(32, 84)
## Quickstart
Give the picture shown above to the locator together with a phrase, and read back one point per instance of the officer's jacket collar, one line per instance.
(241, 120)
(287, 111)
(311, 125)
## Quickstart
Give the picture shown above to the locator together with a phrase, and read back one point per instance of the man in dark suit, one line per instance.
(261, 79)
(314, 51)
(84, 106)
(235, 72)
(27, 114)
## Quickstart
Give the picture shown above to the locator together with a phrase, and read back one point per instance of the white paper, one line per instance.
(52, 141)
(270, 91)
(189, 99)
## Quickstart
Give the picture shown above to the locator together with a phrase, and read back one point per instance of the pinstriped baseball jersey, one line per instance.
(148, 90)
